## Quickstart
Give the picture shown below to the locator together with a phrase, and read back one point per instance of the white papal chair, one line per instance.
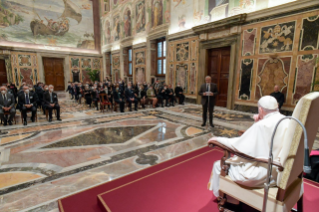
(289, 189)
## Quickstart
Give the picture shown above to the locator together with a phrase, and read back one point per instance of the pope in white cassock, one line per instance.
(254, 142)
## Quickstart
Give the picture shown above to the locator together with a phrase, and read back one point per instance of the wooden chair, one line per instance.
(47, 113)
(7, 113)
(36, 116)
(289, 189)
(104, 101)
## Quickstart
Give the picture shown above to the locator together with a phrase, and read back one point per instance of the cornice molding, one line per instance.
(53, 51)
(139, 45)
(179, 35)
(158, 32)
(280, 9)
(226, 23)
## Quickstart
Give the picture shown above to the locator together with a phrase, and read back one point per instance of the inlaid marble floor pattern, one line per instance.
(44, 162)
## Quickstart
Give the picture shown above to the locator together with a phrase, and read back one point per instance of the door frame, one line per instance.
(66, 66)
(233, 42)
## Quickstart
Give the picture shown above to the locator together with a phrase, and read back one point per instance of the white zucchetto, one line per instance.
(268, 102)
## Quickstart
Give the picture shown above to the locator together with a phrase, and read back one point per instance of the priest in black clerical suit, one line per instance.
(6, 105)
(27, 102)
(51, 102)
(208, 90)
(280, 97)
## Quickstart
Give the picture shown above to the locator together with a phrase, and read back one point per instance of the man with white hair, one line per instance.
(6, 105)
(208, 91)
(255, 142)
(27, 102)
(51, 102)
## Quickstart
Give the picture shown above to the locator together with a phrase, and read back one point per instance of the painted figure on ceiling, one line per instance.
(157, 12)
(116, 28)
(107, 32)
(140, 16)
(127, 23)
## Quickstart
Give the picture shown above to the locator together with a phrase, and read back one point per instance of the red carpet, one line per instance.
(175, 185)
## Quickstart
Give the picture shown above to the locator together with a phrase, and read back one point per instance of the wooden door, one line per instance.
(54, 73)
(3, 73)
(218, 69)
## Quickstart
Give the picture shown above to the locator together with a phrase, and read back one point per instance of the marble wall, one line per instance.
(281, 52)
(183, 64)
(79, 66)
(139, 65)
(24, 68)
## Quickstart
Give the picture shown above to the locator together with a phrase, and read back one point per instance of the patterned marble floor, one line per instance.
(44, 162)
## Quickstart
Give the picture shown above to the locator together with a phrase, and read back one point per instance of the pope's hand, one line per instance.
(256, 117)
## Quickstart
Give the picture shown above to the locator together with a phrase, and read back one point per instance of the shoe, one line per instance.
(50, 119)
(203, 125)
(5, 123)
(135, 109)
(25, 123)
(10, 122)
(33, 120)
(212, 125)
(59, 119)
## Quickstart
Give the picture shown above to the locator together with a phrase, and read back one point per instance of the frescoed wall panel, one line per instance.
(63, 23)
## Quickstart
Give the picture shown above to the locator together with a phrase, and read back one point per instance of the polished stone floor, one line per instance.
(44, 162)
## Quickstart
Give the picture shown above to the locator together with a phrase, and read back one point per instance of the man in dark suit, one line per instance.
(208, 90)
(119, 97)
(51, 102)
(280, 97)
(27, 102)
(6, 105)
(180, 94)
(130, 97)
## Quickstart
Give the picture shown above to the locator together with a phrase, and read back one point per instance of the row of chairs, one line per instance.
(36, 116)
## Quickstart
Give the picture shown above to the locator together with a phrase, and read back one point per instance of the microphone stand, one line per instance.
(207, 112)
(306, 167)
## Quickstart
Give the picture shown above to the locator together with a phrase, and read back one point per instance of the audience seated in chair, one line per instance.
(27, 102)
(6, 106)
(151, 96)
(130, 97)
(179, 92)
(51, 103)
(140, 95)
(170, 95)
(88, 95)
(119, 97)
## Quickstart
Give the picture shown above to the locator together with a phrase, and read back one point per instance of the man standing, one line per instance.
(278, 96)
(27, 102)
(208, 91)
(255, 142)
(6, 105)
(130, 97)
(51, 102)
